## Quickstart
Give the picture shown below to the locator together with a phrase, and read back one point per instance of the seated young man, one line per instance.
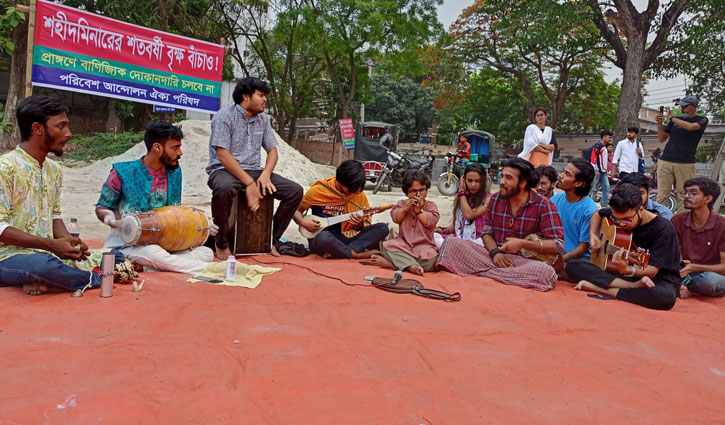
(575, 207)
(642, 182)
(33, 237)
(150, 182)
(513, 213)
(546, 178)
(654, 286)
(701, 232)
(341, 194)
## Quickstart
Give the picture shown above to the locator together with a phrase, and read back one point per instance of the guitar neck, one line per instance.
(345, 217)
(338, 218)
(611, 249)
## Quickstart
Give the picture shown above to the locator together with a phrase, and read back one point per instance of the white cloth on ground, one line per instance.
(154, 258)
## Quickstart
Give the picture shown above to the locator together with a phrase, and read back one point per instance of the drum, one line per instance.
(173, 228)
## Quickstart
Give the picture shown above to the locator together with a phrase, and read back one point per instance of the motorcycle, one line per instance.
(396, 166)
(448, 182)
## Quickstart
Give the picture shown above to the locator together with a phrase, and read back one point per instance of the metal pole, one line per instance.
(29, 51)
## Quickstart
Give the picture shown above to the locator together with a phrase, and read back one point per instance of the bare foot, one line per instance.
(381, 261)
(34, 288)
(365, 254)
(275, 253)
(328, 255)
(646, 282)
(222, 253)
(585, 285)
(684, 292)
(416, 269)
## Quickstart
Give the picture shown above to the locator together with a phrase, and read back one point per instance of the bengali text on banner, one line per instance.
(88, 53)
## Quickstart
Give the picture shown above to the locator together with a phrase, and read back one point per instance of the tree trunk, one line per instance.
(292, 133)
(630, 97)
(16, 88)
(113, 123)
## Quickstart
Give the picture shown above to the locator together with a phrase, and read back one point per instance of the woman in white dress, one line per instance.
(539, 141)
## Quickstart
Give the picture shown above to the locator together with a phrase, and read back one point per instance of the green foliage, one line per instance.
(541, 43)
(5, 126)
(179, 117)
(400, 101)
(101, 145)
(707, 151)
(8, 21)
(592, 108)
(125, 109)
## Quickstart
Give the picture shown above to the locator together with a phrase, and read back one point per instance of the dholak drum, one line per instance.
(173, 228)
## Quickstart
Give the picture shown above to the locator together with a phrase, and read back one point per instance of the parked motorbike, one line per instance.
(396, 166)
(448, 181)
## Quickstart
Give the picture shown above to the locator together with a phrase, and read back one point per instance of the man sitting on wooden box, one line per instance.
(334, 197)
(237, 133)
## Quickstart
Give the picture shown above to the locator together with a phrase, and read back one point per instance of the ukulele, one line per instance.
(326, 222)
(613, 239)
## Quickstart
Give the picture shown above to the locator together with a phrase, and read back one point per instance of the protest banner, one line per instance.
(347, 131)
(88, 53)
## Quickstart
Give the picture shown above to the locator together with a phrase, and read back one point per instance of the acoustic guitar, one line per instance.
(326, 222)
(613, 239)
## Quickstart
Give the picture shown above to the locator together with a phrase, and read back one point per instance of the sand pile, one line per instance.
(292, 164)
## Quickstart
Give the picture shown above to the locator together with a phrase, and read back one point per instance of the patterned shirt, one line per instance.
(113, 199)
(242, 136)
(29, 197)
(537, 215)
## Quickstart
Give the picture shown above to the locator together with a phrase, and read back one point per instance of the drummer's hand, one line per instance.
(109, 220)
(253, 196)
(213, 228)
(265, 184)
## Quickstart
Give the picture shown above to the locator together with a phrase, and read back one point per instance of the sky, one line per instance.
(659, 92)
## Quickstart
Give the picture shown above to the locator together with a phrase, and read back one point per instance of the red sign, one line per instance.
(348, 133)
(64, 28)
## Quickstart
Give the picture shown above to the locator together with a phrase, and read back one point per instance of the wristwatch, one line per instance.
(493, 252)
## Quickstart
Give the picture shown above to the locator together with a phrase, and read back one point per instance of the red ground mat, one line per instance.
(306, 349)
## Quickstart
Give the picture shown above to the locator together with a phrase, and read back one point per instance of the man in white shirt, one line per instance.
(627, 154)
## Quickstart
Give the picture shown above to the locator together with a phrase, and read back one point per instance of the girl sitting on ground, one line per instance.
(414, 248)
(468, 207)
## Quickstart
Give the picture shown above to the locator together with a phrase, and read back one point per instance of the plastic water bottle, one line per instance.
(73, 228)
(231, 272)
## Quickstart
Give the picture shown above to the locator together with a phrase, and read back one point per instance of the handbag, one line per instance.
(539, 158)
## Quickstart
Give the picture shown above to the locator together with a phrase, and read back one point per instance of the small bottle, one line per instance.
(73, 228)
(231, 274)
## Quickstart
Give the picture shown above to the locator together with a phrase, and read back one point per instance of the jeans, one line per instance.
(48, 270)
(603, 181)
(709, 284)
(339, 246)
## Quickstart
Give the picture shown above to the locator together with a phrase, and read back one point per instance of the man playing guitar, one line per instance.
(654, 286)
(341, 194)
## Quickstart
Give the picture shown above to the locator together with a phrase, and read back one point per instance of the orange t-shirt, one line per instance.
(325, 203)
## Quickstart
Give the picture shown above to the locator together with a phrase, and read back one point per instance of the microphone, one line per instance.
(397, 277)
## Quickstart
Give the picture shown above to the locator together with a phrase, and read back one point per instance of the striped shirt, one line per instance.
(242, 136)
(537, 215)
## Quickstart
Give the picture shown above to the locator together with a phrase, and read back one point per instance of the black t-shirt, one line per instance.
(660, 237)
(682, 145)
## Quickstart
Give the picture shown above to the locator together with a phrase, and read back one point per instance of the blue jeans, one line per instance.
(603, 181)
(339, 246)
(48, 270)
(709, 284)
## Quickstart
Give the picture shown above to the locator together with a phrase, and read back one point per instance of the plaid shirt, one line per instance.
(537, 215)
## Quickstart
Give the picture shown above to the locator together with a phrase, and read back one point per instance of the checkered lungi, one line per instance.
(467, 258)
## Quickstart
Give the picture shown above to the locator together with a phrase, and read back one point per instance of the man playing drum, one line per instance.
(238, 133)
(151, 182)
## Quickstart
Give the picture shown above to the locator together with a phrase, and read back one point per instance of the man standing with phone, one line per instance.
(677, 163)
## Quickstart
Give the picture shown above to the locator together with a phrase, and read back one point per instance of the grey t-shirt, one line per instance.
(242, 136)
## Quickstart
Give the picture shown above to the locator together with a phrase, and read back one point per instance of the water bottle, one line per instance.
(231, 272)
(73, 228)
